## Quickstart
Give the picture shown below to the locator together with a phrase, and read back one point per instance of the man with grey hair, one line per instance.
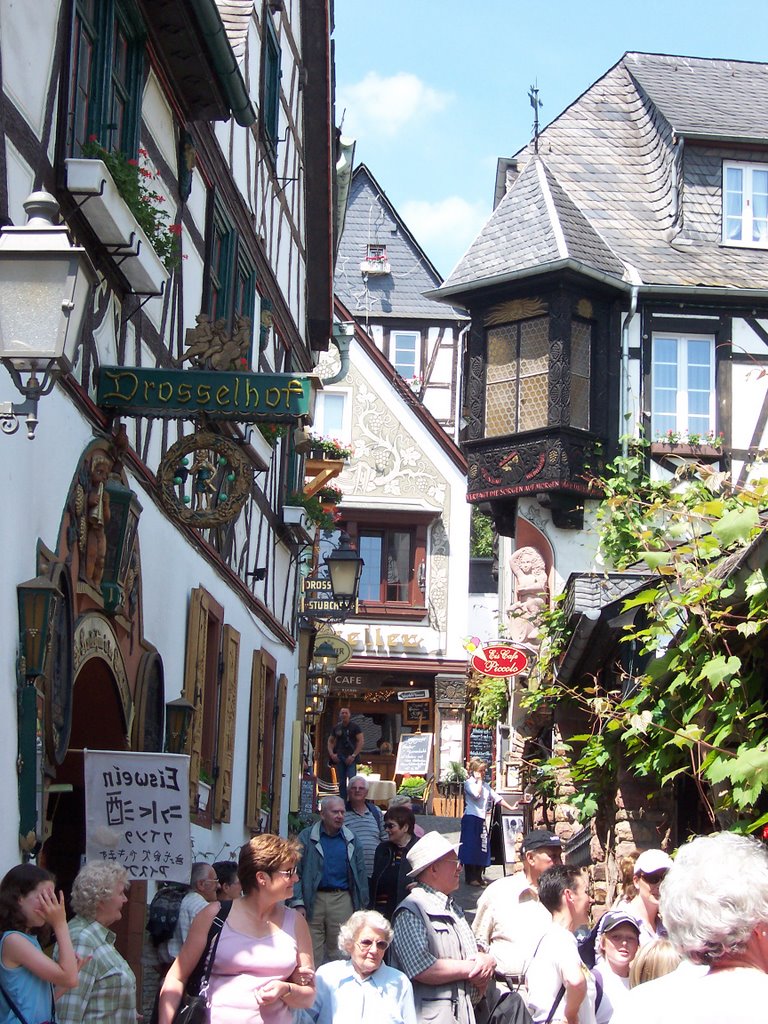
(714, 902)
(332, 880)
(364, 819)
(203, 889)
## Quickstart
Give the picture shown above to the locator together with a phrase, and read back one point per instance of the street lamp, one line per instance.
(345, 567)
(44, 286)
(37, 608)
(325, 658)
(178, 721)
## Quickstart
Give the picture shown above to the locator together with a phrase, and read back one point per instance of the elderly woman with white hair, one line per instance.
(106, 987)
(363, 988)
(715, 905)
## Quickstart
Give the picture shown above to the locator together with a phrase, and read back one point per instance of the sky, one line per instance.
(434, 91)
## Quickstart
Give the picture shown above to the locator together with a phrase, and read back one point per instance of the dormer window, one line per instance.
(745, 204)
(375, 261)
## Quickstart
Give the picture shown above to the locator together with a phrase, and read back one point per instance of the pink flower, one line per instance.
(175, 229)
(133, 163)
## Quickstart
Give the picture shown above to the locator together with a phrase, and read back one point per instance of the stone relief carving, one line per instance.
(530, 589)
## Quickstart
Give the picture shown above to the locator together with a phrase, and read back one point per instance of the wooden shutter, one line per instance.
(225, 747)
(194, 682)
(282, 696)
(256, 729)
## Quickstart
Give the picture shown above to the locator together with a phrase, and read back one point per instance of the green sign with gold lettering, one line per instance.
(245, 397)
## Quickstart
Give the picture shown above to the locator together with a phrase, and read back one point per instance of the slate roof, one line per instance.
(372, 219)
(535, 227)
(616, 165)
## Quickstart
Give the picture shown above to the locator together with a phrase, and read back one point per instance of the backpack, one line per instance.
(164, 912)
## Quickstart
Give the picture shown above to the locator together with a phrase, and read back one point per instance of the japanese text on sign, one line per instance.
(137, 812)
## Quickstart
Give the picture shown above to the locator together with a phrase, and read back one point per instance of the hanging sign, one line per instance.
(137, 812)
(245, 397)
(499, 658)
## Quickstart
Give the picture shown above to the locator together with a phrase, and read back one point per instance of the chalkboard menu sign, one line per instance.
(414, 755)
(481, 744)
(417, 712)
(307, 799)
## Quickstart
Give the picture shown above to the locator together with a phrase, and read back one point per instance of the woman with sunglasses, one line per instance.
(651, 868)
(363, 988)
(389, 885)
(262, 969)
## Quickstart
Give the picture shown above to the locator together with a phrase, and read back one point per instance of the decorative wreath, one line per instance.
(204, 480)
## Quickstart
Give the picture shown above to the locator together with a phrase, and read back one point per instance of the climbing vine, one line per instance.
(695, 702)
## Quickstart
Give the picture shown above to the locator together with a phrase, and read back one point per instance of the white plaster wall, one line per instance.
(27, 69)
(744, 339)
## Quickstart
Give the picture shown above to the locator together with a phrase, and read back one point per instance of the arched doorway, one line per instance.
(98, 723)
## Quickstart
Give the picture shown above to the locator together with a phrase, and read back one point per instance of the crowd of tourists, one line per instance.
(355, 920)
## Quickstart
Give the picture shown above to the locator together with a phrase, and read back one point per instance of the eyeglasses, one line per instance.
(286, 873)
(390, 824)
(655, 877)
(380, 944)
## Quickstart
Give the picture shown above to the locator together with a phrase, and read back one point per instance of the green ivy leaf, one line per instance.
(736, 525)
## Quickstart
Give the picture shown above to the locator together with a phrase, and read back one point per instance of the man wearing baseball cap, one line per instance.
(510, 920)
(433, 943)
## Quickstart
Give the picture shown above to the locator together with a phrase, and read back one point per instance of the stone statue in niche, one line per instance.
(97, 517)
(530, 595)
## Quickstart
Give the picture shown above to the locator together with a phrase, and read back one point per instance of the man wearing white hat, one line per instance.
(433, 943)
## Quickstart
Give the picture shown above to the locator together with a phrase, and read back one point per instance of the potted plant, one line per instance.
(328, 448)
(413, 787)
(329, 497)
(453, 779)
(313, 509)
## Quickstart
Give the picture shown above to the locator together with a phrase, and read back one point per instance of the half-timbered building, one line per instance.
(621, 283)
(218, 117)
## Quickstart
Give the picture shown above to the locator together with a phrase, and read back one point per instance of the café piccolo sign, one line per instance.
(245, 397)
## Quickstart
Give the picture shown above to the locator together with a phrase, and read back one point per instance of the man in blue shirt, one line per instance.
(332, 879)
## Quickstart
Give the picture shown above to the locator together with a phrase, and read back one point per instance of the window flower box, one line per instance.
(684, 450)
(115, 226)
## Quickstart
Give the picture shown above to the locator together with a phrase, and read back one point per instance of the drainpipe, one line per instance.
(624, 393)
(341, 335)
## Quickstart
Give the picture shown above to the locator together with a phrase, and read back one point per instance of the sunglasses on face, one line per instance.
(380, 944)
(655, 877)
(390, 824)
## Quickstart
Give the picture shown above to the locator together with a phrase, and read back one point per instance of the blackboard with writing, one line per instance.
(307, 799)
(481, 744)
(414, 755)
(416, 711)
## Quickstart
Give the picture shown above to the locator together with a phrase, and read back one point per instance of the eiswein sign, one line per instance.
(499, 659)
(245, 397)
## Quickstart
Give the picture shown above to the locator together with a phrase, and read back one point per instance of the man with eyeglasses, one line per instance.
(433, 944)
(364, 819)
(332, 880)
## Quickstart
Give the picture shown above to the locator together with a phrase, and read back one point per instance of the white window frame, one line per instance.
(746, 241)
(416, 337)
(318, 425)
(681, 409)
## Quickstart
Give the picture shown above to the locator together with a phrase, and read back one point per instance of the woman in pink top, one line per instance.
(263, 969)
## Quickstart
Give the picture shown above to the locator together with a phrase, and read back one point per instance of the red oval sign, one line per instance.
(499, 659)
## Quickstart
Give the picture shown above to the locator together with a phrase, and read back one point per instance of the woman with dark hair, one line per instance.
(28, 901)
(229, 883)
(262, 969)
(389, 885)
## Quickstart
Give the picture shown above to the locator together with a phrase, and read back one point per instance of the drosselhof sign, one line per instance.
(247, 397)
(499, 658)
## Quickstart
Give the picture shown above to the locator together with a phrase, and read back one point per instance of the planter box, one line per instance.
(295, 517)
(696, 452)
(203, 796)
(115, 226)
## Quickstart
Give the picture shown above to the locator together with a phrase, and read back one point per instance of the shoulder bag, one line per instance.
(194, 1007)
